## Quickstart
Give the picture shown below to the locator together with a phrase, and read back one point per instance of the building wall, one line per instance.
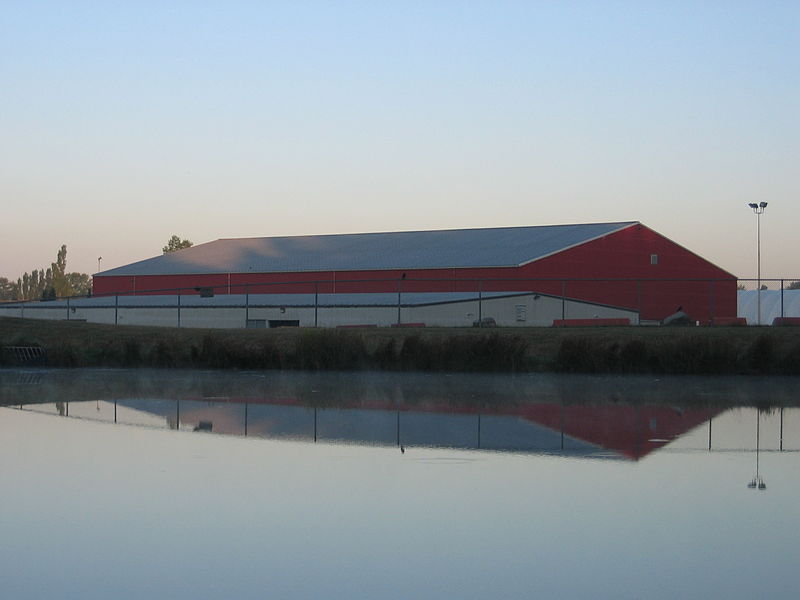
(515, 311)
(679, 278)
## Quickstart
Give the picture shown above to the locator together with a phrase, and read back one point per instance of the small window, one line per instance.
(522, 312)
(654, 259)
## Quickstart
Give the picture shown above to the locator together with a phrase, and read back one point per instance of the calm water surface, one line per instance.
(159, 484)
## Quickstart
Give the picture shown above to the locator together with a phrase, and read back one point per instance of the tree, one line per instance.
(48, 284)
(59, 274)
(79, 283)
(176, 243)
(8, 289)
(31, 286)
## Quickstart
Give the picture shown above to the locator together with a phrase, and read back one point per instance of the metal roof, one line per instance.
(454, 248)
(259, 300)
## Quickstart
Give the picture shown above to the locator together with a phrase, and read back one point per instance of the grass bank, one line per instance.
(724, 350)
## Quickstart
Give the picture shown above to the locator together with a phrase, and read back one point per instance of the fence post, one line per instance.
(179, 308)
(398, 300)
(316, 304)
(67, 308)
(711, 301)
(116, 309)
(781, 301)
(639, 299)
(480, 302)
(246, 307)
(563, 299)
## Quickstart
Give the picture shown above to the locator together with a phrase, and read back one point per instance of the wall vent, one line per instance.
(522, 312)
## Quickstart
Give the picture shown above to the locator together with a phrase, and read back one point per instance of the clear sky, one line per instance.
(122, 123)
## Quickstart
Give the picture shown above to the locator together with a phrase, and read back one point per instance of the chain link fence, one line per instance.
(522, 302)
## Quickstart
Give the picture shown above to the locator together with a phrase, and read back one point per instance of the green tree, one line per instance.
(8, 289)
(794, 285)
(80, 283)
(59, 274)
(176, 243)
(29, 286)
(48, 284)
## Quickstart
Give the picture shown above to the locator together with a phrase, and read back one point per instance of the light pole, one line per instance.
(759, 210)
(99, 258)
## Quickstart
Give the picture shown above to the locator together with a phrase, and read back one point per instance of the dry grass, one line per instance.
(589, 350)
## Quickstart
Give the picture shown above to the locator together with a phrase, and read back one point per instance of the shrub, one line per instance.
(491, 352)
(633, 357)
(64, 354)
(164, 355)
(760, 356)
(579, 355)
(132, 353)
(327, 349)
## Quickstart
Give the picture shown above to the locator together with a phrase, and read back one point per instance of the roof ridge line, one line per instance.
(298, 235)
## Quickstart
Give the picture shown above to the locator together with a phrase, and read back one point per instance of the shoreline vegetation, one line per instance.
(612, 350)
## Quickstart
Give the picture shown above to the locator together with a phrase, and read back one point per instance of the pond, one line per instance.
(184, 484)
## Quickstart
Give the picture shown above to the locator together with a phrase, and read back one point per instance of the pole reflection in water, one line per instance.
(757, 482)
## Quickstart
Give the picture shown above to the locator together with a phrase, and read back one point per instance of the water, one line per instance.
(295, 486)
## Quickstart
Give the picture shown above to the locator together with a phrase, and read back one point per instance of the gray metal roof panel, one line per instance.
(255, 300)
(457, 248)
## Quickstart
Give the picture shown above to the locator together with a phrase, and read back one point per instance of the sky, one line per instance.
(122, 123)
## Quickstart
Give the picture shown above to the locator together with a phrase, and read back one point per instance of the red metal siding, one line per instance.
(615, 270)
(679, 279)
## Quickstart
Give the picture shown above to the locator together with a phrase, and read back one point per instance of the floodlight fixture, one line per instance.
(753, 205)
(763, 204)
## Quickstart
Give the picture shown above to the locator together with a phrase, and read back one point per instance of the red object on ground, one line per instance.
(786, 321)
(591, 322)
(728, 321)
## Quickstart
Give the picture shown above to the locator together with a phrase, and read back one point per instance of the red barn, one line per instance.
(625, 265)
